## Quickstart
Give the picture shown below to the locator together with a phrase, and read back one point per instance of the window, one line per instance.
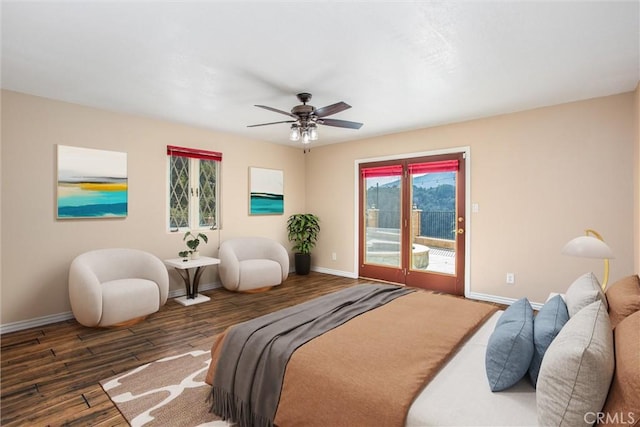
(193, 188)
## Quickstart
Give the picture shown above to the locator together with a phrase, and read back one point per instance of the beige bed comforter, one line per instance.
(369, 370)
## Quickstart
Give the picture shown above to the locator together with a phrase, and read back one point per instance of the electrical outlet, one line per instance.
(511, 278)
(334, 256)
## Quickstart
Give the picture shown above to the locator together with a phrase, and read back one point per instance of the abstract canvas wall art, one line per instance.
(266, 187)
(91, 183)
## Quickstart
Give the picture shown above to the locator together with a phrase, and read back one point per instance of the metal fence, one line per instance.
(436, 224)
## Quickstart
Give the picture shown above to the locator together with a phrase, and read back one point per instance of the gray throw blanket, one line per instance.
(250, 370)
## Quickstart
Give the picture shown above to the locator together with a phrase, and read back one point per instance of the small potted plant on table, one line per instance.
(192, 241)
(303, 230)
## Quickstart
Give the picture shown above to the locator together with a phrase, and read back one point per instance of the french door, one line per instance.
(412, 222)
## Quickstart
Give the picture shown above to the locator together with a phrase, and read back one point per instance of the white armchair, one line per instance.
(111, 286)
(252, 263)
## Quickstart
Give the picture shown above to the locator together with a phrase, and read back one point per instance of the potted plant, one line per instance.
(192, 241)
(303, 230)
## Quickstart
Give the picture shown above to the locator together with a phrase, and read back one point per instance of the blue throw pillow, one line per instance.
(510, 346)
(546, 325)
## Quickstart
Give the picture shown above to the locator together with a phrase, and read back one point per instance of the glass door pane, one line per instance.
(433, 222)
(383, 216)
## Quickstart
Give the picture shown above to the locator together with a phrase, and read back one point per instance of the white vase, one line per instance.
(195, 255)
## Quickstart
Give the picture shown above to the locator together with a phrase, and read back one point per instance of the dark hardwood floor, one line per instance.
(50, 374)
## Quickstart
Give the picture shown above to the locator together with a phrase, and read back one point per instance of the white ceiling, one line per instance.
(401, 65)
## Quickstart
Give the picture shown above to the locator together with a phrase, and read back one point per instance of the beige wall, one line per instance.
(37, 249)
(540, 178)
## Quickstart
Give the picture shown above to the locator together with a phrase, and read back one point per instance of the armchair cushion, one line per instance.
(126, 299)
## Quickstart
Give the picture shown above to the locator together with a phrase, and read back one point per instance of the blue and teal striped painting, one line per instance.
(91, 183)
(266, 204)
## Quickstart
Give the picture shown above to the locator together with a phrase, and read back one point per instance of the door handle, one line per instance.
(459, 230)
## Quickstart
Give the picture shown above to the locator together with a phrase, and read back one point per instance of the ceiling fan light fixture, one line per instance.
(295, 133)
(313, 133)
(305, 136)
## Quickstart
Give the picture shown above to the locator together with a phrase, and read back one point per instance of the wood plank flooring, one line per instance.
(50, 375)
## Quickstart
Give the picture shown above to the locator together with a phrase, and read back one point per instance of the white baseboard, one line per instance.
(34, 323)
(61, 317)
(340, 273)
(498, 299)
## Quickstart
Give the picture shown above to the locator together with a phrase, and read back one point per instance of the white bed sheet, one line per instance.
(459, 395)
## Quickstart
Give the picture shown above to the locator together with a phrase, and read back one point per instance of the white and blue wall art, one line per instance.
(266, 188)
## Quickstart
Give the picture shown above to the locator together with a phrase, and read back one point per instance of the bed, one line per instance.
(377, 364)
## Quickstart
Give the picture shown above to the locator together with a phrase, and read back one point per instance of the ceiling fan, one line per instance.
(307, 117)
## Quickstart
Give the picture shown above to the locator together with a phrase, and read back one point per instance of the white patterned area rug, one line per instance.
(168, 392)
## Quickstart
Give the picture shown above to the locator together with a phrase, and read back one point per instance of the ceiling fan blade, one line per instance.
(340, 123)
(275, 110)
(331, 109)
(272, 123)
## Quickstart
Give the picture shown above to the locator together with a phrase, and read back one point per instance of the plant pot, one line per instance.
(195, 255)
(302, 263)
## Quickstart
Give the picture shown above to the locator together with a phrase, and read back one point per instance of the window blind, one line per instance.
(433, 167)
(392, 170)
(193, 153)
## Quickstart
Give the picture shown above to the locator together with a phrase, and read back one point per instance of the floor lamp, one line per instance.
(591, 245)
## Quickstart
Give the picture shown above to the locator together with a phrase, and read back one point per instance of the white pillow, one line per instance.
(582, 292)
(576, 370)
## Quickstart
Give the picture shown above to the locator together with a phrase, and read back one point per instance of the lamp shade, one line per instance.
(588, 247)
(295, 133)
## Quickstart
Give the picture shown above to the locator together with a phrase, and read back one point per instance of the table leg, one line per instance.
(196, 281)
(184, 273)
(191, 286)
